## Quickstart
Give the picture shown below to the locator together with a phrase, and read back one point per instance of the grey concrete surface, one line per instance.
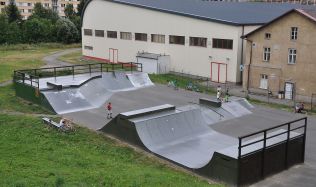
(262, 118)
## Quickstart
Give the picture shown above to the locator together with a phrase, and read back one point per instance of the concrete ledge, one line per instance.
(210, 102)
(147, 111)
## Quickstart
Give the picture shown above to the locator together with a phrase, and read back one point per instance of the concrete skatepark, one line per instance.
(215, 133)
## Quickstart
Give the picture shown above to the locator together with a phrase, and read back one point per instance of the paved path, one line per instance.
(52, 60)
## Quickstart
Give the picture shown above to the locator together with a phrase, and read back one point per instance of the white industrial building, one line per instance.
(193, 36)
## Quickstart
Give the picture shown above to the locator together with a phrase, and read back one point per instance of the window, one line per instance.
(99, 33)
(292, 56)
(47, 5)
(158, 38)
(62, 5)
(87, 32)
(267, 36)
(29, 4)
(266, 54)
(2, 3)
(29, 10)
(141, 36)
(196, 41)
(176, 40)
(222, 43)
(126, 35)
(263, 81)
(294, 33)
(111, 34)
(88, 47)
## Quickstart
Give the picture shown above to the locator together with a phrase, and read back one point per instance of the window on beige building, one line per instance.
(111, 34)
(141, 37)
(197, 41)
(99, 33)
(126, 35)
(266, 54)
(180, 40)
(158, 38)
(263, 81)
(87, 32)
(292, 56)
(2, 3)
(267, 36)
(30, 10)
(294, 33)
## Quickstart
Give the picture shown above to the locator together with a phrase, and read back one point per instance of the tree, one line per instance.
(13, 13)
(66, 31)
(69, 11)
(80, 7)
(3, 29)
(40, 12)
(37, 30)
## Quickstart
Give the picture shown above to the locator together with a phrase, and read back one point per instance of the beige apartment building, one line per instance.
(26, 6)
(281, 56)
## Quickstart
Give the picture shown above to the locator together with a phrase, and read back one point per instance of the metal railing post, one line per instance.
(304, 139)
(55, 73)
(31, 80)
(263, 153)
(131, 64)
(239, 162)
(287, 145)
(90, 69)
(73, 72)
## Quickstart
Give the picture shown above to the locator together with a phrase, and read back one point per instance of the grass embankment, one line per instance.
(24, 56)
(33, 154)
(182, 81)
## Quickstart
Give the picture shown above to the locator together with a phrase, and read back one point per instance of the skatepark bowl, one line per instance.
(187, 135)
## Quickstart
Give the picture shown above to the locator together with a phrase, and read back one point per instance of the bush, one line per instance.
(66, 31)
(37, 30)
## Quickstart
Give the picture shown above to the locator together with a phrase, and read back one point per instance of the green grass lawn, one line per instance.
(14, 57)
(33, 154)
(182, 81)
(73, 58)
(10, 103)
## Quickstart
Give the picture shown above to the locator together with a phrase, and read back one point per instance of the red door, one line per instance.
(218, 72)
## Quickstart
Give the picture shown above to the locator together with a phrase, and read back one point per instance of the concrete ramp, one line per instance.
(140, 80)
(93, 93)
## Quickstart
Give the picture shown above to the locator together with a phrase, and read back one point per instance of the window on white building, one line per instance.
(180, 40)
(158, 38)
(197, 41)
(266, 54)
(87, 32)
(263, 81)
(99, 33)
(141, 37)
(29, 4)
(294, 33)
(88, 47)
(29, 10)
(292, 56)
(111, 34)
(126, 35)
(222, 43)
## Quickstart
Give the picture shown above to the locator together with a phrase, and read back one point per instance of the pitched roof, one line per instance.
(308, 12)
(233, 13)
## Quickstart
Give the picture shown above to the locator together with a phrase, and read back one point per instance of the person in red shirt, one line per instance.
(109, 110)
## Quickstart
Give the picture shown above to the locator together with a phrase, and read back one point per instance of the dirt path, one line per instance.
(52, 60)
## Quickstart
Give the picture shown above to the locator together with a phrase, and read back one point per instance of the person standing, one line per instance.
(109, 110)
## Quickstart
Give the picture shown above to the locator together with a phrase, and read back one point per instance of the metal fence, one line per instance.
(32, 76)
(269, 159)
